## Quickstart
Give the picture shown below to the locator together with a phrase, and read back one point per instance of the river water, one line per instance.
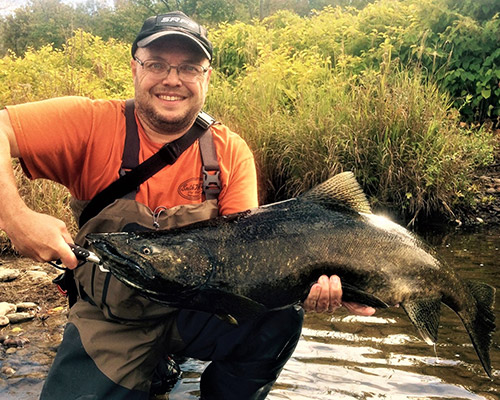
(344, 356)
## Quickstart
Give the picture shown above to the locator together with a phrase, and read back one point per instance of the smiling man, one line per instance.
(170, 87)
(116, 340)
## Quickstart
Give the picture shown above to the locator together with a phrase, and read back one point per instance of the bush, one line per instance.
(457, 52)
(306, 120)
(86, 66)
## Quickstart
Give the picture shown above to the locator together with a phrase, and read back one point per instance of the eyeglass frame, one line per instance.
(169, 69)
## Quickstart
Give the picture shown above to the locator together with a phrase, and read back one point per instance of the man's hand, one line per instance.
(41, 237)
(326, 296)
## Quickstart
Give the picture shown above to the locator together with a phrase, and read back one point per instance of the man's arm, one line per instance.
(35, 235)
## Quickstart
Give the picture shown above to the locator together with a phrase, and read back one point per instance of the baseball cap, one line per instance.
(173, 23)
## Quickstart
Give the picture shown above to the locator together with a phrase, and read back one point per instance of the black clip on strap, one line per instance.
(210, 169)
(211, 184)
(169, 152)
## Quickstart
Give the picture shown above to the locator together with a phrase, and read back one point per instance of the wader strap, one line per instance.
(210, 166)
(130, 158)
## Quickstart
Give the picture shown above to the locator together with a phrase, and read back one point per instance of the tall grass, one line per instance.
(396, 131)
(45, 196)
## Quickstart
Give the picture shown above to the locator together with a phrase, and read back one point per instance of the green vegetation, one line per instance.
(85, 66)
(356, 89)
(453, 43)
(399, 135)
(404, 93)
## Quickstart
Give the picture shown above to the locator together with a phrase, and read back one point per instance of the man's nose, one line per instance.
(172, 78)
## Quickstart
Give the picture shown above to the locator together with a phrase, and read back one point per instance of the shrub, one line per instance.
(86, 66)
(306, 120)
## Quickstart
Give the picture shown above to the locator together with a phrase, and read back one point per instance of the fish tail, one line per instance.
(480, 322)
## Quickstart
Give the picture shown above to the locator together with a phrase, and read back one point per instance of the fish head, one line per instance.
(123, 251)
(149, 263)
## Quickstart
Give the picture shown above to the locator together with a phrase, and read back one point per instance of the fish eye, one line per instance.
(146, 250)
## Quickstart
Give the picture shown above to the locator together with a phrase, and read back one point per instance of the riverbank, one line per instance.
(487, 208)
(32, 318)
(27, 292)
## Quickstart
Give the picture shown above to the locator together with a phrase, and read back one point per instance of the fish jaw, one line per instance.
(111, 256)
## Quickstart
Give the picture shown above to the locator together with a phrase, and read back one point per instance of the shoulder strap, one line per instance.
(167, 155)
(210, 166)
(210, 171)
(130, 158)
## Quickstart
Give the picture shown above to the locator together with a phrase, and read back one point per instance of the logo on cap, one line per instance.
(178, 21)
(174, 23)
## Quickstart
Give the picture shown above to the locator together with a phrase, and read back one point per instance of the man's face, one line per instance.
(168, 105)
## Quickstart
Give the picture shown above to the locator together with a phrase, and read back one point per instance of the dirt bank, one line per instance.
(487, 209)
(34, 283)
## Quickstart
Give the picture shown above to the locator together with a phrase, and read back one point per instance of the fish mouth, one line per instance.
(113, 259)
(106, 251)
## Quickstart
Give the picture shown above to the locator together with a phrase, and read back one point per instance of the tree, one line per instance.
(480, 10)
(39, 23)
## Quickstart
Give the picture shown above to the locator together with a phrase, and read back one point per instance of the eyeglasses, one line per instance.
(186, 72)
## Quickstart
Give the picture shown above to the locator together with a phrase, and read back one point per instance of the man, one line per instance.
(115, 338)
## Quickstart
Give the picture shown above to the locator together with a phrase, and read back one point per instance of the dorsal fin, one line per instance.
(341, 190)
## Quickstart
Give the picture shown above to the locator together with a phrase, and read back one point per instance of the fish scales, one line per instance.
(245, 264)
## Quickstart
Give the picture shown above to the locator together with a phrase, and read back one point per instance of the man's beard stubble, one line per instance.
(160, 125)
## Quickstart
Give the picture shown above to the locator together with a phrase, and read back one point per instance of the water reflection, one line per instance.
(349, 357)
(350, 371)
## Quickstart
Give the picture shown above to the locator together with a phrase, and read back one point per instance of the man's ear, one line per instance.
(207, 80)
(133, 67)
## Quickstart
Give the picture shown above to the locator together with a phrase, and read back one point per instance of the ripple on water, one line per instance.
(326, 381)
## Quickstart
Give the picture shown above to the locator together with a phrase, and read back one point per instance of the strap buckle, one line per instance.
(168, 153)
(211, 183)
(204, 120)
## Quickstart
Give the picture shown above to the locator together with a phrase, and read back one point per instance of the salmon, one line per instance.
(242, 265)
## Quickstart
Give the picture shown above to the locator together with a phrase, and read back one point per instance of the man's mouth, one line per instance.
(170, 97)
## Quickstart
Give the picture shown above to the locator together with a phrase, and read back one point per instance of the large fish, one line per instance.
(245, 264)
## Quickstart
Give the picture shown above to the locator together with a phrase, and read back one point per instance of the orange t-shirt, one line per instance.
(79, 143)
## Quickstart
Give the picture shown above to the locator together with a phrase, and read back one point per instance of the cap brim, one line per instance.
(155, 36)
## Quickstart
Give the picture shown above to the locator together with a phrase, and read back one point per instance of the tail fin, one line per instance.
(480, 324)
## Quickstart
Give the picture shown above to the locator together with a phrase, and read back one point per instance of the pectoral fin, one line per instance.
(425, 315)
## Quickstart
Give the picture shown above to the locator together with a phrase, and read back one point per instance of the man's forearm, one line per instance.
(9, 195)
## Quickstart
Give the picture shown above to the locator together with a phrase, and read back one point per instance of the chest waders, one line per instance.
(115, 209)
(105, 213)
